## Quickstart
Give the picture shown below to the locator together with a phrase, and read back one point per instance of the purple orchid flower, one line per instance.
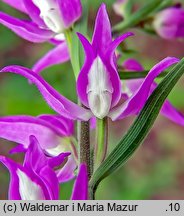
(169, 23)
(36, 178)
(54, 134)
(49, 19)
(131, 87)
(98, 84)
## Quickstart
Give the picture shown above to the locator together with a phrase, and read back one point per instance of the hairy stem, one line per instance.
(84, 145)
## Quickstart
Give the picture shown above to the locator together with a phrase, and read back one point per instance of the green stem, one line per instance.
(101, 141)
(84, 146)
(138, 16)
(74, 59)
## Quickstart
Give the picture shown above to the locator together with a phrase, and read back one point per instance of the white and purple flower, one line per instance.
(48, 20)
(54, 135)
(36, 178)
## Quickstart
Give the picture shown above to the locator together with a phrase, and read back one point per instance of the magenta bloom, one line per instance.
(54, 135)
(98, 84)
(169, 23)
(48, 20)
(36, 178)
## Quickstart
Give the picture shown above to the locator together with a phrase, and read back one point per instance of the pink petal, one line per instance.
(80, 189)
(82, 81)
(25, 29)
(58, 55)
(14, 189)
(13, 193)
(168, 110)
(65, 126)
(17, 4)
(58, 102)
(19, 128)
(67, 172)
(114, 44)
(44, 167)
(135, 103)
(71, 11)
(34, 13)
(102, 33)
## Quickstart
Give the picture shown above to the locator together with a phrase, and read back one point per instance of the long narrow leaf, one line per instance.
(77, 52)
(140, 128)
(139, 15)
(136, 75)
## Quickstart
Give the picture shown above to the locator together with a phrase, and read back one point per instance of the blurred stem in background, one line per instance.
(131, 20)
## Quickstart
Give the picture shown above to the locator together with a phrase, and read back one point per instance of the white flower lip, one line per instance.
(99, 89)
(28, 189)
(49, 12)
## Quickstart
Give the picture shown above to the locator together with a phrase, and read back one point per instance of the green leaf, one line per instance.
(138, 16)
(140, 128)
(75, 47)
(164, 4)
(136, 75)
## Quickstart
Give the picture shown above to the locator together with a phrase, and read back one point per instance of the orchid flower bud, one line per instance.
(169, 23)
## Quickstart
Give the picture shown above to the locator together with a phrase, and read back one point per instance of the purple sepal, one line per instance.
(58, 102)
(80, 189)
(57, 55)
(137, 100)
(17, 4)
(19, 128)
(25, 29)
(34, 13)
(36, 179)
(67, 172)
(70, 10)
(167, 110)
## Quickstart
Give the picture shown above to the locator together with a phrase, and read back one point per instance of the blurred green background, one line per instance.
(156, 171)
